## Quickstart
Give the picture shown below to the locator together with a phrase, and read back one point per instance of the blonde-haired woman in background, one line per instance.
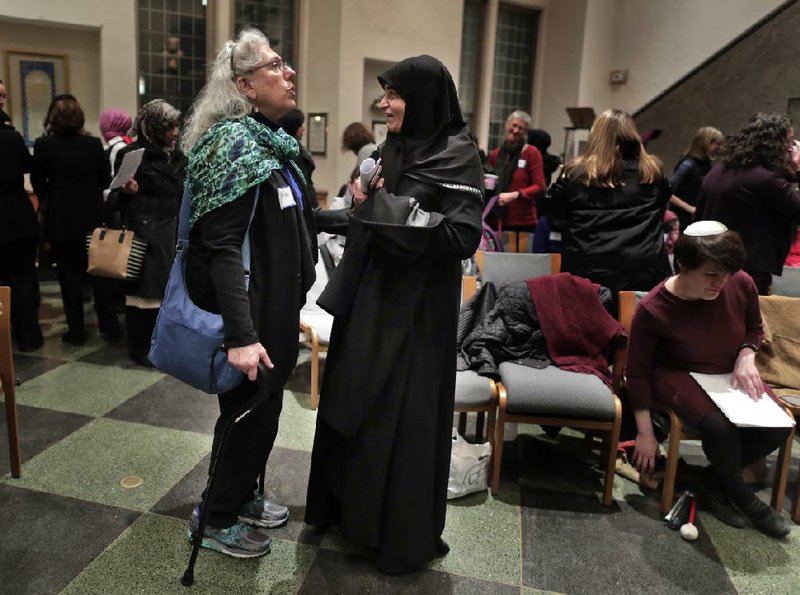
(690, 170)
(610, 203)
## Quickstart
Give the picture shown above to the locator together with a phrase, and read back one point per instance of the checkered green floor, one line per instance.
(89, 418)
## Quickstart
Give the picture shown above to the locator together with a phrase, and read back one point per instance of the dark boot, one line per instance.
(766, 520)
(712, 498)
(139, 324)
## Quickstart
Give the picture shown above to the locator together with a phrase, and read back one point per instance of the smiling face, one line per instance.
(515, 130)
(394, 108)
(269, 86)
(703, 283)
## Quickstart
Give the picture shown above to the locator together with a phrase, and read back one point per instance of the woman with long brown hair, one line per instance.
(610, 202)
(690, 171)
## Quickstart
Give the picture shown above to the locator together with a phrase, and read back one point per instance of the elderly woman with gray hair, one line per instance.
(242, 176)
(150, 202)
(521, 175)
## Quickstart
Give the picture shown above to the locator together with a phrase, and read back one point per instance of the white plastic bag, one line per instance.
(469, 467)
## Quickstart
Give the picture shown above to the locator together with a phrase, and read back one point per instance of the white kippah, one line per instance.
(705, 228)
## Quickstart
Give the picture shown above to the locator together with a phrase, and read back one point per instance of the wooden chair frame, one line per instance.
(795, 510)
(8, 381)
(312, 341)
(609, 428)
(469, 285)
(677, 432)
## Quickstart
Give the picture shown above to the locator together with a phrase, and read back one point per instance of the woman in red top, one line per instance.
(521, 175)
(704, 319)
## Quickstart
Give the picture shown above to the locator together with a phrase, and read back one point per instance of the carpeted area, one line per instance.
(88, 418)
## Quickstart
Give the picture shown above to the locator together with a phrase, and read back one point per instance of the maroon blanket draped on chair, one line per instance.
(577, 328)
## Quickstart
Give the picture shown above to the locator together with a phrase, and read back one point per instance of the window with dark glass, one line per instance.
(172, 50)
(275, 18)
(470, 55)
(514, 57)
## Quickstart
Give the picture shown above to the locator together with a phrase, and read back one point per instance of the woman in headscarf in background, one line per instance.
(150, 203)
(381, 455)
(114, 126)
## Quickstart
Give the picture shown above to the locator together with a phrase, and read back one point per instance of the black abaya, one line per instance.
(382, 449)
(381, 455)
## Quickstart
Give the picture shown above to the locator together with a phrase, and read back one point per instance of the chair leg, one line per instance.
(499, 436)
(782, 472)
(479, 427)
(668, 490)
(462, 423)
(795, 512)
(612, 441)
(13, 426)
(490, 431)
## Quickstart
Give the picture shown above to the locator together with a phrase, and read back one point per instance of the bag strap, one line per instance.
(185, 216)
(489, 205)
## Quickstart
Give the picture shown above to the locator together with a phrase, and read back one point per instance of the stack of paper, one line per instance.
(739, 407)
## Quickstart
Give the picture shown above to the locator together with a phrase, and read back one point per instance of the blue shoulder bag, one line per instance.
(188, 342)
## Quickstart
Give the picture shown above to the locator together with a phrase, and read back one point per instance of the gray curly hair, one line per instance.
(220, 98)
(520, 115)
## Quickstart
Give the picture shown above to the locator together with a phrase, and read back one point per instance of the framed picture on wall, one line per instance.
(379, 131)
(34, 79)
(317, 125)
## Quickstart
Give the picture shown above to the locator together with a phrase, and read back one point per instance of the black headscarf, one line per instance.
(434, 143)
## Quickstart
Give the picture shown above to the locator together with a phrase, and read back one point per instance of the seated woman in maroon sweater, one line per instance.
(704, 319)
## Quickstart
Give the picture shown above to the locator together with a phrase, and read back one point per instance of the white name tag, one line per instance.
(521, 163)
(286, 198)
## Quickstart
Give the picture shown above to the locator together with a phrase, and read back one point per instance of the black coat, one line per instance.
(17, 216)
(152, 213)
(760, 204)
(69, 174)
(612, 236)
(686, 182)
(282, 245)
(499, 324)
(381, 453)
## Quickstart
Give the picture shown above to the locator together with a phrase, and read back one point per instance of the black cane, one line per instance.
(187, 580)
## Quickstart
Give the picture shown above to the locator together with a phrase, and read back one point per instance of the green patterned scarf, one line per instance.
(232, 156)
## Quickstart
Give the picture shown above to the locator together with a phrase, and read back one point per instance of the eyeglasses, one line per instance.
(277, 65)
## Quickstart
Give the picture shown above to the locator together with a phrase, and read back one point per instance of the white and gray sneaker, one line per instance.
(260, 512)
(237, 541)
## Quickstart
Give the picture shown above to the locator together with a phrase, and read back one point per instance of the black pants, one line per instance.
(730, 448)
(18, 271)
(71, 262)
(245, 455)
(139, 325)
(762, 280)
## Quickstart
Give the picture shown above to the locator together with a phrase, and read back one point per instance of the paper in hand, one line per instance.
(737, 405)
(130, 163)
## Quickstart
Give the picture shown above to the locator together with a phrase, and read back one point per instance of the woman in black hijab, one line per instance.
(381, 455)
